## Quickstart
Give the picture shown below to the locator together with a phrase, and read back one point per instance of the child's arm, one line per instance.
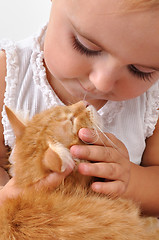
(123, 178)
(145, 178)
(3, 175)
(144, 188)
(4, 178)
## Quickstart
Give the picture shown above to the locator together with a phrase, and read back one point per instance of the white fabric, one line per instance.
(28, 90)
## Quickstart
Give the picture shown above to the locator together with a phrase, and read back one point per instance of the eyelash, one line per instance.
(77, 45)
(137, 73)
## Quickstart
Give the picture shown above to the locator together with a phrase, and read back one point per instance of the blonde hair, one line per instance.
(141, 4)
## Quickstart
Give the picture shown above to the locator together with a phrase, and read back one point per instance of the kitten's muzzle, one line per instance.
(86, 104)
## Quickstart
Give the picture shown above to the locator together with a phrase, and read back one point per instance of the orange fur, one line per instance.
(72, 211)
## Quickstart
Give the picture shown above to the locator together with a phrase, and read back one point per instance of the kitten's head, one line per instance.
(42, 144)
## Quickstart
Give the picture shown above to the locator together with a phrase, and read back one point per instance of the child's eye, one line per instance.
(146, 76)
(77, 45)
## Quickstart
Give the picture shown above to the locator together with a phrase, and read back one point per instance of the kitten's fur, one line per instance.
(72, 211)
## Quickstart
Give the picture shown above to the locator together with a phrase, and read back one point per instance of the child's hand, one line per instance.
(9, 191)
(108, 162)
(53, 180)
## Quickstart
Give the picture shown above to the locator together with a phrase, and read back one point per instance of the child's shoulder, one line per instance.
(2, 76)
(34, 42)
(24, 47)
(2, 90)
(2, 64)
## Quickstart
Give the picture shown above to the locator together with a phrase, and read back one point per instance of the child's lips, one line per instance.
(88, 88)
(91, 92)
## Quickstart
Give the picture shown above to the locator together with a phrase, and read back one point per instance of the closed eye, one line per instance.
(72, 119)
(146, 76)
(77, 45)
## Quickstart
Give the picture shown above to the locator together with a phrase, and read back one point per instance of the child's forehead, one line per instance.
(124, 34)
(100, 6)
(121, 5)
(96, 13)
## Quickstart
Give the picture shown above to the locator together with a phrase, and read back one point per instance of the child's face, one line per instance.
(92, 51)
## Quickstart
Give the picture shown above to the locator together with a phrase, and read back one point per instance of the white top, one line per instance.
(28, 90)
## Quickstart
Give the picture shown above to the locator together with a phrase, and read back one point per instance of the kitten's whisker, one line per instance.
(94, 135)
(99, 137)
(93, 141)
(69, 102)
(110, 141)
(84, 97)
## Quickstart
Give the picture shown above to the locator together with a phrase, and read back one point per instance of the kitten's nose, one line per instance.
(86, 103)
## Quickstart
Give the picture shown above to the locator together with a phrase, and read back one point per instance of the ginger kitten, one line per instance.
(71, 211)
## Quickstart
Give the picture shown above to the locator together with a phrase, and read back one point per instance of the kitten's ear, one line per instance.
(57, 158)
(17, 126)
(52, 161)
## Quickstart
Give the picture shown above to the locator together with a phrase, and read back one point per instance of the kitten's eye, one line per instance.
(72, 119)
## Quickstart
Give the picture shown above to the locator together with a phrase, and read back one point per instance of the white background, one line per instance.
(20, 18)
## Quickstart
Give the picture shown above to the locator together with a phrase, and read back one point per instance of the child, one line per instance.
(105, 52)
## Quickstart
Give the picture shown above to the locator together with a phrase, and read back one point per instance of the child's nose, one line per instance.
(105, 74)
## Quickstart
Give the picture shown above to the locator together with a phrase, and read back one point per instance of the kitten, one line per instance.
(71, 211)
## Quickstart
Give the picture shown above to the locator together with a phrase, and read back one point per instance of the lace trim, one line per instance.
(11, 83)
(152, 109)
(39, 71)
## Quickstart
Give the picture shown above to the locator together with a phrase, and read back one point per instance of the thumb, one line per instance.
(53, 180)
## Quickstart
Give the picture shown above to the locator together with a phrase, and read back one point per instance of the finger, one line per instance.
(9, 191)
(115, 188)
(53, 180)
(96, 153)
(4, 177)
(111, 171)
(11, 188)
(99, 138)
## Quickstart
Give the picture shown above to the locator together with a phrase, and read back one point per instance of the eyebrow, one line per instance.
(99, 45)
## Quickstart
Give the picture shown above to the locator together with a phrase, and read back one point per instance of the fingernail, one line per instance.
(85, 132)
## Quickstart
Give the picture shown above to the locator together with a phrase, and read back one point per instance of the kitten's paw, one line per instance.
(58, 158)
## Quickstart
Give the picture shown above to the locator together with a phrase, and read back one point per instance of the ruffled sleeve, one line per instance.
(11, 83)
(39, 71)
(152, 109)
